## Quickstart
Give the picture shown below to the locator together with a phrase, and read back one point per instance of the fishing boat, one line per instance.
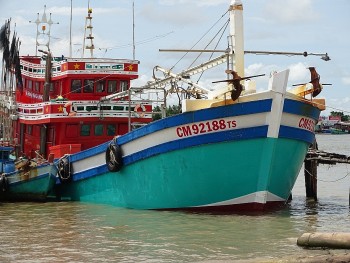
(25, 174)
(24, 179)
(229, 149)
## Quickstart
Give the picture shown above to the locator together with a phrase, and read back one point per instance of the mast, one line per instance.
(133, 29)
(237, 36)
(88, 26)
(70, 28)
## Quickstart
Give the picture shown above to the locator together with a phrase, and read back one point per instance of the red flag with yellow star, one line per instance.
(76, 66)
(131, 67)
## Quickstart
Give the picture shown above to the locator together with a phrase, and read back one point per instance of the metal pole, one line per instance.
(133, 29)
(70, 29)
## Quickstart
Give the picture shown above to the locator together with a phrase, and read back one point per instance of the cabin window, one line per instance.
(90, 108)
(88, 86)
(99, 129)
(29, 84)
(118, 108)
(80, 108)
(112, 86)
(76, 86)
(37, 86)
(106, 107)
(71, 131)
(131, 108)
(124, 85)
(100, 86)
(5, 155)
(85, 130)
(111, 129)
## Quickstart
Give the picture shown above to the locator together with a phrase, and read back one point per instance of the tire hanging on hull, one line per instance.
(4, 184)
(114, 159)
(65, 170)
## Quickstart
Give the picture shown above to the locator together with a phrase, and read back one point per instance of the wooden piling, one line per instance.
(310, 172)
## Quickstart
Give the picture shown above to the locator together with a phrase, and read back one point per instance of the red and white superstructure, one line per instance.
(74, 112)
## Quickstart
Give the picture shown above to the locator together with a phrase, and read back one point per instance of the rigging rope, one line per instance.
(223, 28)
(325, 180)
(199, 39)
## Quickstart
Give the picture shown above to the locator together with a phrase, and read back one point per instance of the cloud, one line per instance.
(198, 3)
(291, 11)
(181, 17)
(346, 80)
(299, 73)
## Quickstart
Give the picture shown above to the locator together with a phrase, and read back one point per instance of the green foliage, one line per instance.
(170, 111)
(157, 116)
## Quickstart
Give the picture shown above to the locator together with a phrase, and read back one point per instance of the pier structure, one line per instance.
(313, 158)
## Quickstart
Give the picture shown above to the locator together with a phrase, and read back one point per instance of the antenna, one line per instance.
(70, 29)
(47, 33)
(90, 37)
(133, 29)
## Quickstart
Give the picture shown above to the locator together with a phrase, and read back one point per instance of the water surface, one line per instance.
(81, 232)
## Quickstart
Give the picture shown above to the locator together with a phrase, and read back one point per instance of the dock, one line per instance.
(313, 158)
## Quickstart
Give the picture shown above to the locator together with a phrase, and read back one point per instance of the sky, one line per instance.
(314, 26)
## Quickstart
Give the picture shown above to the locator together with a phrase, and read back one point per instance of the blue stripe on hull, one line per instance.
(301, 108)
(240, 134)
(200, 115)
(296, 134)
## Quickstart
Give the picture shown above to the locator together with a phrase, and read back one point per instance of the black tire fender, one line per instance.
(65, 170)
(114, 159)
(4, 184)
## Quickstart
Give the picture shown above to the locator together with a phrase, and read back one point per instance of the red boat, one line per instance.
(65, 105)
(70, 113)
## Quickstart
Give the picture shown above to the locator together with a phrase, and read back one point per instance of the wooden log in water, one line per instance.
(337, 240)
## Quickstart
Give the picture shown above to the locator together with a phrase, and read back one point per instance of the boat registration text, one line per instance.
(205, 127)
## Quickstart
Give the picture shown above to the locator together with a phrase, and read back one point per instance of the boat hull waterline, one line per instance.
(218, 158)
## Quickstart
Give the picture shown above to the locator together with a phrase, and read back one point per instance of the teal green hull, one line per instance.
(35, 188)
(197, 176)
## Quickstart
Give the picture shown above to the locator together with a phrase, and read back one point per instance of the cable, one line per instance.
(200, 39)
(325, 180)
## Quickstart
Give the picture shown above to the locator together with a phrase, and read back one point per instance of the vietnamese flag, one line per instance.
(76, 66)
(131, 67)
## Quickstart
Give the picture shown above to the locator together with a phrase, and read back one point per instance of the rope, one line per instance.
(325, 180)
(200, 39)
(223, 28)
